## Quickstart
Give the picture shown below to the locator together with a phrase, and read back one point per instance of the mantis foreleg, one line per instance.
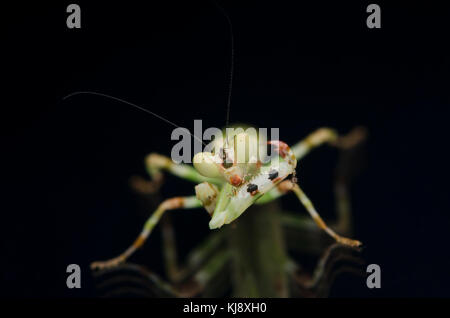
(156, 164)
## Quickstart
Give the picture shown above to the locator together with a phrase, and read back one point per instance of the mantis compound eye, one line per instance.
(205, 164)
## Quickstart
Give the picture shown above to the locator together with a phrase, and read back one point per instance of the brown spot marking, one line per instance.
(281, 147)
(235, 180)
(214, 195)
(139, 241)
(284, 149)
(173, 203)
(320, 222)
(208, 200)
(276, 180)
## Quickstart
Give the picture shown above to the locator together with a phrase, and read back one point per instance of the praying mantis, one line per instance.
(230, 180)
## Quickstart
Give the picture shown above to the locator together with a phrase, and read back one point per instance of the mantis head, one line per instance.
(234, 161)
(245, 178)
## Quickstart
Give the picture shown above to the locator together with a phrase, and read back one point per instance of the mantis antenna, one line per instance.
(230, 87)
(131, 104)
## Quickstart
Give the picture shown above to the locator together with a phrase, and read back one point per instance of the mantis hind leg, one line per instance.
(169, 204)
(194, 260)
(318, 220)
(331, 137)
(314, 140)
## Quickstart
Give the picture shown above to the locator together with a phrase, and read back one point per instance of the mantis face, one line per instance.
(245, 178)
(233, 161)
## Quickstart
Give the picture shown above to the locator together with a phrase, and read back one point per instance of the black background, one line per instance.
(66, 164)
